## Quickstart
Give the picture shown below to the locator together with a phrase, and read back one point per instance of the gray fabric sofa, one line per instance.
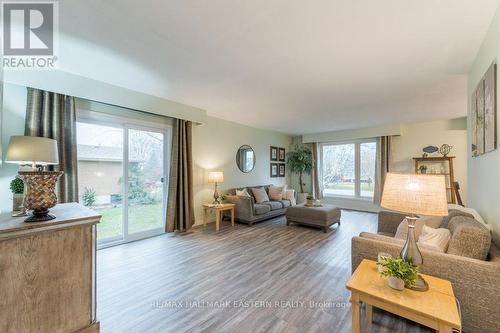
(476, 282)
(247, 211)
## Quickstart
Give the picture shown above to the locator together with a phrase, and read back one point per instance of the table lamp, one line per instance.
(415, 194)
(215, 177)
(40, 185)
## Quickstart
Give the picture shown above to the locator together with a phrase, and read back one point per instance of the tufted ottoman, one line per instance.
(322, 217)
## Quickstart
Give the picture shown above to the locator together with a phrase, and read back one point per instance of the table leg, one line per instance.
(369, 313)
(443, 328)
(355, 313)
(232, 216)
(204, 216)
(217, 219)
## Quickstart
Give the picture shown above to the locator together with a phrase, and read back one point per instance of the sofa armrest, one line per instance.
(476, 283)
(244, 206)
(388, 222)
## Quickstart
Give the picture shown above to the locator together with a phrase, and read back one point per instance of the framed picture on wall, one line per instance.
(274, 153)
(281, 154)
(274, 170)
(484, 114)
(281, 170)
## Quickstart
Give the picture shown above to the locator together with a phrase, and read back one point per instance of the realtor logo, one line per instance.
(29, 34)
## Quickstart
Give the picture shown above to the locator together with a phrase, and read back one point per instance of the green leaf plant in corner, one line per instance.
(399, 268)
(300, 161)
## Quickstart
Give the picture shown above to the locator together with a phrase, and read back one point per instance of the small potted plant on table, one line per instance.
(17, 189)
(401, 273)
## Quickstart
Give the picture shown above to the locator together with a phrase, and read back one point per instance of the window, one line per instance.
(348, 168)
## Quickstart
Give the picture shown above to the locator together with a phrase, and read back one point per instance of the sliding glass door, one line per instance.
(122, 174)
(145, 190)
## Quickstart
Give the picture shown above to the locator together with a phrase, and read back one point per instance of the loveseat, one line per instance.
(250, 212)
(471, 263)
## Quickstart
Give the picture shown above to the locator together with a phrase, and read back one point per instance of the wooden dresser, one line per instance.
(47, 272)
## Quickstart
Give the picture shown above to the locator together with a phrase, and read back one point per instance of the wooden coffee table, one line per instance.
(219, 209)
(435, 308)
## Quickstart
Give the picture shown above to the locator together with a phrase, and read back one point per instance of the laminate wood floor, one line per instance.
(265, 278)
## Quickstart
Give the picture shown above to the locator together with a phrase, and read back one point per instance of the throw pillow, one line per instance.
(243, 193)
(276, 192)
(402, 231)
(434, 239)
(430, 221)
(290, 195)
(260, 194)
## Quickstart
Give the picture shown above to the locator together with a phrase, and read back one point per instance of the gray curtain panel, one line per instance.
(316, 184)
(53, 115)
(382, 166)
(180, 207)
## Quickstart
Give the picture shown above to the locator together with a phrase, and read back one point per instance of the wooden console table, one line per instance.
(435, 308)
(219, 209)
(47, 272)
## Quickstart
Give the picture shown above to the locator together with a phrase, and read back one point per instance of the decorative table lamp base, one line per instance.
(40, 216)
(40, 193)
(411, 253)
(420, 284)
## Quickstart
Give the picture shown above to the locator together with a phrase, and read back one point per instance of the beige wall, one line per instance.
(415, 136)
(214, 149)
(483, 175)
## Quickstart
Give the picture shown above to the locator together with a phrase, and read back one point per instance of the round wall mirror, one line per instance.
(245, 158)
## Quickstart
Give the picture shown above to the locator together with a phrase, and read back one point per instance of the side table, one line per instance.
(218, 209)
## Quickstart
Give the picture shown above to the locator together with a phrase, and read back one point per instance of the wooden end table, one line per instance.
(219, 209)
(435, 308)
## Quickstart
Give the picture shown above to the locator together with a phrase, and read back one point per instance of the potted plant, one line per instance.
(310, 200)
(400, 272)
(299, 161)
(17, 189)
(423, 169)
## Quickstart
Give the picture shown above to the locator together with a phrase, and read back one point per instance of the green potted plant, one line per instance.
(300, 161)
(310, 199)
(400, 272)
(17, 189)
(423, 169)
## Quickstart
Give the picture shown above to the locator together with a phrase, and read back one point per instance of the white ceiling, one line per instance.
(290, 65)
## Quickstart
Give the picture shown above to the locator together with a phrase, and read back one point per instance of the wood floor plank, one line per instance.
(266, 278)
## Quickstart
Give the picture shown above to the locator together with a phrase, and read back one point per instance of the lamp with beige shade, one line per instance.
(40, 184)
(215, 177)
(415, 194)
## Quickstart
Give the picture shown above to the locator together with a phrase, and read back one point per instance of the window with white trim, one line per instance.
(347, 169)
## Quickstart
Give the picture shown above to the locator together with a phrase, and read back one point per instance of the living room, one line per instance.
(249, 166)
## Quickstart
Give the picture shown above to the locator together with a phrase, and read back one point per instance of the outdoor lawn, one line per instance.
(348, 189)
(141, 218)
(350, 186)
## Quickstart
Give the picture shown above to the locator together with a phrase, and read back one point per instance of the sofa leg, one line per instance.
(287, 222)
(250, 224)
(325, 229)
